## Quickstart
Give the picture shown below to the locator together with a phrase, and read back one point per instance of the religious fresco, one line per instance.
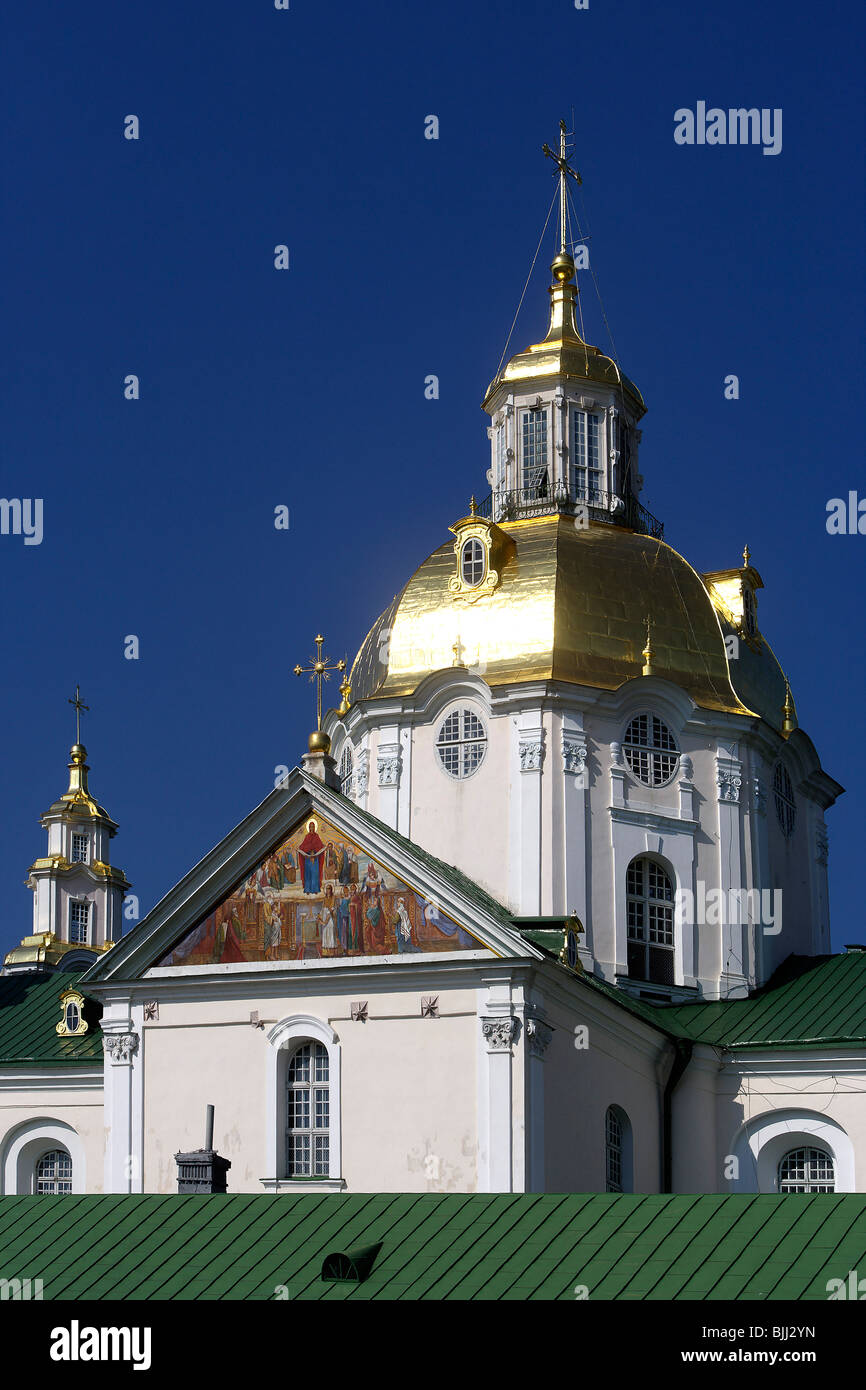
(319, 895)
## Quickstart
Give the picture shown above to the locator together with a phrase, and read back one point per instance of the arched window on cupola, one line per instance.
(533, 454)
(650, 922)
(347, 771)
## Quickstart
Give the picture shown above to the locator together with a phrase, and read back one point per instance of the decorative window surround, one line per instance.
(282, 1037)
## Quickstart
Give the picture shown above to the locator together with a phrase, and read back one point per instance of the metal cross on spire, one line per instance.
(319, 670)
(565, 171)
(79, 706)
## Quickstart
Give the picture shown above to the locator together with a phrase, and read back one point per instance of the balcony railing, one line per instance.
(542, 500)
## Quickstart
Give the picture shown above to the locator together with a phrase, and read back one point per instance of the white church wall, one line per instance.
(694, 1145)
(407, 1102)
(612, 1063)
(769, 1104)
(54, 1112)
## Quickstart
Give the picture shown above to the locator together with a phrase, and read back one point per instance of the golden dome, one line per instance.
(571, 605)
(563, 352)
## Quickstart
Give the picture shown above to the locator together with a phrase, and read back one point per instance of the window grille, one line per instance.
(613, 1151)
(347, 771)
(79, 849)
(786, 806)
(54, 1173)
(461, 743)
(79, 917)
(585, 470)
(807, 1170)
(534, 453)
(649, 922)
(308, 1112)
(650, 750)
(472, 562)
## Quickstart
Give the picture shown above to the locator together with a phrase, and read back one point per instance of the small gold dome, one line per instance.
(319, 742)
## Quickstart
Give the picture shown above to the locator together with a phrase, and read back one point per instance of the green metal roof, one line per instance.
(29, 1014)
(810, 1000)
(435, 1247)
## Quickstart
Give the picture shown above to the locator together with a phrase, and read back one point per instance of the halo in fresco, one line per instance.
(319, 895)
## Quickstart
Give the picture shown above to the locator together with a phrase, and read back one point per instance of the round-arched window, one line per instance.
(461, 743)
(807, 1170)
(308, 1120)
(649, 922)
(783, 793)
(54, 1172)
(472, 562)
(347, 771)
(72, 1017)
(650, 750)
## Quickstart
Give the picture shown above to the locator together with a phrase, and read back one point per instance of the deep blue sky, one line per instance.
(305, 387)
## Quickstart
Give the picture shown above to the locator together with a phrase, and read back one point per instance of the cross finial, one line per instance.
(647, 652)
(565, 171)
(319, 670)
(79, 706)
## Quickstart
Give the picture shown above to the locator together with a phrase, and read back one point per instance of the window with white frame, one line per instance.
(783, 794)
(347, 771)
(79, 848)
(54, 1172)
(650, 750)
(472, 562)
(79, 921)
(649, 922)
(461, 743)
(613, 1151)
(308, 1112)
(533, 456)
(807, 1170)
(585, 471)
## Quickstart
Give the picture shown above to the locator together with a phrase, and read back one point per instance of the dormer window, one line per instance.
(472, 561)
(79, 922)
(750, 612)
(585, 470)
(533, 459)
(79, 849)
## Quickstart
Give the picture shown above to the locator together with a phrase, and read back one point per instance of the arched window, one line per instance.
(533, 454)
(347, 771)
(650, 922)
(617, 1151)
(807, 1170)
(461, 743)
(308, 1112)
(472, 562)
(783, 793)
(650, 750)
(54, 1172)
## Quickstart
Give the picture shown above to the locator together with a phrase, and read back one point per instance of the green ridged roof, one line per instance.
(29, 1014)
(435, 1247)
(810, 1000)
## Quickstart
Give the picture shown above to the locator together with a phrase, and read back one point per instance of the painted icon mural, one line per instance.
(319, 895)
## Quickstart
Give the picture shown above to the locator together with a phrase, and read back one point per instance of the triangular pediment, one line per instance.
(310, 879)
(320, 894)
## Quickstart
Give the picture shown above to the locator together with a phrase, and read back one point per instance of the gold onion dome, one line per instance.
(571, 605)
(563, 352)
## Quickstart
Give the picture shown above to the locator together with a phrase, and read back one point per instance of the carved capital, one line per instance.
(759, 796)
(573, 755)
(500, 1033)
(729, 779)
(388, 765)
(120, 1047)
(531, 752)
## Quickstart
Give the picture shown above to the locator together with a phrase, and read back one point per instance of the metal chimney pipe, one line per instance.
(208, 1134)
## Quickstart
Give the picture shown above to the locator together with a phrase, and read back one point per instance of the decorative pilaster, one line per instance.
(525, 828)
(736, 947)
(388, 764)
(500, 1033)
(574, 755)
(123, 1098)
(531, 750)
(120, 1048)
(617, 775)
(538, 1036)
(686, 788)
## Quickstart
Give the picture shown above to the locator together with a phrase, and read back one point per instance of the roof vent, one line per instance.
(855, 946)
(351, 1267)
(203, 1170)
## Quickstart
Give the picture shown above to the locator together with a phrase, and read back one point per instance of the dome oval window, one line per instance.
(461, 743)
(472, 562)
